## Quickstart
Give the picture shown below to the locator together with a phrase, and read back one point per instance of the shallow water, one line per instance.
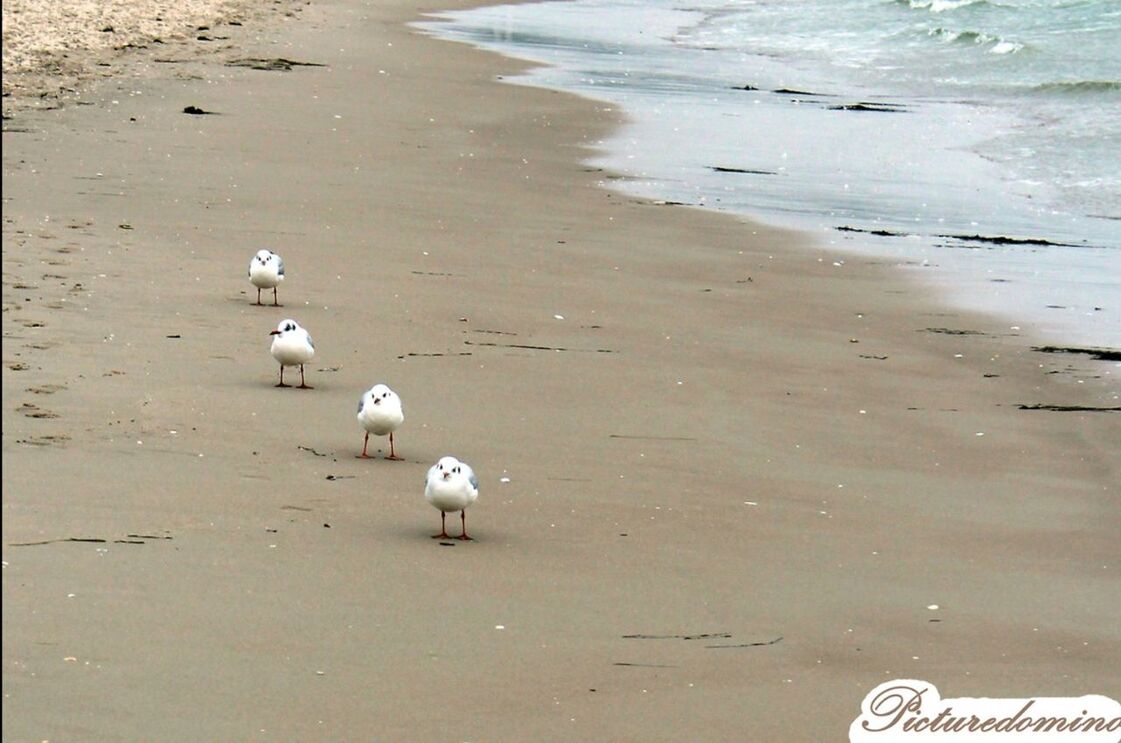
(931, 120)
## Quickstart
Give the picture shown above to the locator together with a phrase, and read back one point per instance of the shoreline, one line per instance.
(1018, 257)
(282, 585)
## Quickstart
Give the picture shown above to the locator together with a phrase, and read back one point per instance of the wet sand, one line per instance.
(722, 477)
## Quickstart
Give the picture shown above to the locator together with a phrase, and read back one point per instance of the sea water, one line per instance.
(974, 142)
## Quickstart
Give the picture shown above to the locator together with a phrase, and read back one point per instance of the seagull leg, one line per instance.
(281, 382)
(365, 443)
(392, 456)
(463, 518)
(443, 527)
(258, 296)
(304, 385)
(274, 302)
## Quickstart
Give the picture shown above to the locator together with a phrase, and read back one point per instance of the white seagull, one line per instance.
(379, 412)
(292, 346)
(451, 485)
(266, 270)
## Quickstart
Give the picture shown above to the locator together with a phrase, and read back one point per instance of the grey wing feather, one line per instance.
(361, 403)
(310, 343)
(473, 480)
(280, 268)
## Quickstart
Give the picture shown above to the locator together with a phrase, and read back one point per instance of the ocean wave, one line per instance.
(941, 6)
(950, 36)
(1078, 87)
(1006, 47)
(996, 44)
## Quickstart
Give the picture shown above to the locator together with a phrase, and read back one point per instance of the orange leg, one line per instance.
(443, 527)
(392, 455)
(304, 385)
(463, 518)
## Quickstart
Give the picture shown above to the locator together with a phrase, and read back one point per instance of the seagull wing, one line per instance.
(280, 265)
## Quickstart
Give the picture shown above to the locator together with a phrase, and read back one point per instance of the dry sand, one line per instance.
(53, 48)
(727, 439)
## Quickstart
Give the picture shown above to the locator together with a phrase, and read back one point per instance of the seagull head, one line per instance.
(264, 256)
(379, 393)
(448, 467)
(286, 326)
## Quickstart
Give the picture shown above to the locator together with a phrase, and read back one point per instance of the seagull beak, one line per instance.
(447, 475)
(377, 401)
(275, 332)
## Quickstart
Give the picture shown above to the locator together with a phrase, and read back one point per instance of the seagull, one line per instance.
(292, 346)
(451, 485)
(379, 412)
(266, 270)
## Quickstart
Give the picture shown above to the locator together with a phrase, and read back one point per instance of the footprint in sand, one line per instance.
(46, 389)
(19, 366)
(44, 440)
(34, 411)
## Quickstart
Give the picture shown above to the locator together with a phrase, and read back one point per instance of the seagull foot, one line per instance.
(442, 535)
(395, 458)
(305, 387)
(281, 384)
(465, 538)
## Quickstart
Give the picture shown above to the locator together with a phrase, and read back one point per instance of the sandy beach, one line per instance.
(724, 473)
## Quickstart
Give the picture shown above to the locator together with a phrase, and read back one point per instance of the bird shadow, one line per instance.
(421, 534)
(246, 300)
